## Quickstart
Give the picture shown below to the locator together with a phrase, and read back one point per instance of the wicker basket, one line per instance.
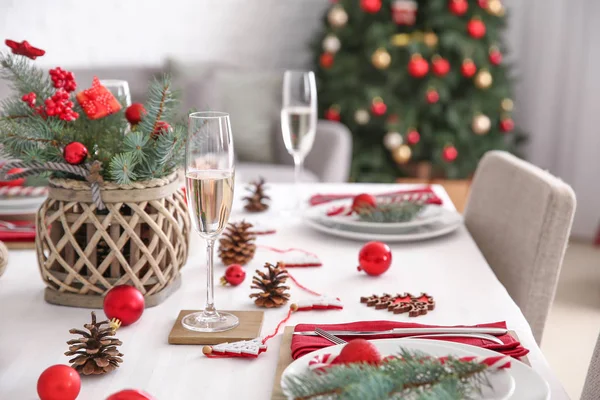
(140, 239)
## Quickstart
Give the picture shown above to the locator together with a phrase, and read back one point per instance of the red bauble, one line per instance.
(14, 182)
(507, 125)
(333, 114)
(358, 351)
(482, 3)
(75, 153)
(234, 275)
(495, 57)
(468, 68)
(134, 113)
(375, 258)
(432, 96)
(450, 153)
(24, 49)
(413, 137)
(326, 60)
(161, 127)
(124, 303)
(476, 28)
(130, 394)
(458, 7)
(363, 200)
(378, 108)
(59, 382)
(440, 66)
(370, 6)
(418, 67)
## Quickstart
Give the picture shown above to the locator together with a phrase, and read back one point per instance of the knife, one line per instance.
(411, 331)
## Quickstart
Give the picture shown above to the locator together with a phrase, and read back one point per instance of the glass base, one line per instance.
(213, 322)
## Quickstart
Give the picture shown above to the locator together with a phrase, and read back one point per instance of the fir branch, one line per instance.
(122, 168)
(390, 212)
(160, 106)
(23, 76)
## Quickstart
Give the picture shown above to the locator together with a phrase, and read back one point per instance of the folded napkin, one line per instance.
(423, 194)
(8, 235)
(302, 345)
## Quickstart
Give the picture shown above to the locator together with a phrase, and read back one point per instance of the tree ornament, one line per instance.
(59, 382)
(468, 68)
(495, 7)
(440, 66)
(404, 12)
(378, 107)
(413, 137)
(358, 351)
(337, 16)
(374, 258)
(362, 117)
(236, 245)
(430, 39)
(98, 102)
(401, 303)
(481, 124)
(326, 60)
(333, 113)
(161, 128)
(458, 7)
(381, 59)
(507, 105)
(449, 153)
(234, 275)
(123, 305)
(370, 6)
(95, 352)
(507, 125)
(401, 39)
(258, 200)
(483, 79)
(24, 49)
(402, 154)
(363, 200)
(418, 67)
(392, 140)
(495, 56)
(476, 28)
(130, 394)
(432, 96)
(134, 113)
(75, 153)
(482, 3)
(272, 292)
(331, 44)
(62, 79)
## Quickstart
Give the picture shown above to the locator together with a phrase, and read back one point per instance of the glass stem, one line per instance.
(209, 309)
(298, 167)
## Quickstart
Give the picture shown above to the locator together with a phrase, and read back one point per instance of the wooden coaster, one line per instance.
(248, 329)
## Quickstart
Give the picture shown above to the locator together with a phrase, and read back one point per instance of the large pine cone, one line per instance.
(237, 244)
(272, 291)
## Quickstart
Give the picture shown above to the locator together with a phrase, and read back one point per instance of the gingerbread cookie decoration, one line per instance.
(401, 303)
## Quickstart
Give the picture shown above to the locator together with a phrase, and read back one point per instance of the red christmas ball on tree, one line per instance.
(507, 125)
(449, 153)
(363, 200)
(134, 113)
(458, 7)
(234, 275)
(432, 96)
(161, 128)
(440, 66)
(125, 303)
(378, 108)
(326, 60)
(418, 67)
(333, 114)
(374, 258)
(59, 382)
(476, 28)
(75, 153)
(495, 57)
(482, 3)
(468, 68)
(413, 137)
(370, 6)
(130, 394)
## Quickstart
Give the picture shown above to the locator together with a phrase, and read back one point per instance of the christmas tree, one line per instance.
(416, 81)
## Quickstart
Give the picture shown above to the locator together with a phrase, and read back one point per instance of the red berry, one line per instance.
(326, 60)
(449, 153)
(432, 96)
(378, 108)
(476, 28)
(468, 68)
(363, 200)
(440, 66)
(134, 113)
(458, 7)
(332, 114)
(495, 57)
(358, 351)
(507, 125)
(370, 6)
(413, 137)
(161, 128)
(14, 182)
(234, 275)
(418, 67)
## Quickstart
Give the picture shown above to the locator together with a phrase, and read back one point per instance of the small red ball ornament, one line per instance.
(134, 113)
(124, 303)
(495, 57)
(358, 351)
(413, 137)
(418, 67)
(507, 125)
(59, 382)
(130, 394)
(363, 200)
(458, 7)
(374, 258)
(482, 3)
(468, 68)
(432, 96)
(333, 114)
(476, 28)
(161, 128)
(370, 6)
(234, 275)
(440, 66)
(326, 60)
(378, 108)
(75, 153)
(449, 153)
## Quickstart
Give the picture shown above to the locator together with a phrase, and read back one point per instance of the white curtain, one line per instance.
(556, 53)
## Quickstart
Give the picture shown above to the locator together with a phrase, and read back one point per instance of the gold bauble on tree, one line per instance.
(402, 154)
(507, 105)
(381, 59)
(430, 39)
(495, 7)
(481, 124)
(392, 140)
(483, 79)
(362, 117)
(337, 16)
(401, 39)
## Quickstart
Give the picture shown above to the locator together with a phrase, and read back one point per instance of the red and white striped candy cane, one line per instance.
(32, 191)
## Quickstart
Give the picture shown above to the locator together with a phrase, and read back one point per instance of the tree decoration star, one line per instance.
(24, 49)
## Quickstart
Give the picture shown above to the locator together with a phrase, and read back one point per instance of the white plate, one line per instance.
(501, 382)
(21, 205)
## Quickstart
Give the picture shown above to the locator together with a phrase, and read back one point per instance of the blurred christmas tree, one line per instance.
(416, 81)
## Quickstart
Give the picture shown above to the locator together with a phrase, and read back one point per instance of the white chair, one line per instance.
(520, 217)
(591, 389)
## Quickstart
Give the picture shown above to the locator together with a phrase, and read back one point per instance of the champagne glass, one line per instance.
(119, 88)
(209, 173)
(299, 118)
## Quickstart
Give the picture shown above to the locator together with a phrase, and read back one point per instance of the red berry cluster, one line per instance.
(29, 98)
(63, 79)
(59, 105)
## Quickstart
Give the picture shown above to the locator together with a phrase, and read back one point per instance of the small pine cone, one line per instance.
(237, 244)
(272, 292)
(257, 200)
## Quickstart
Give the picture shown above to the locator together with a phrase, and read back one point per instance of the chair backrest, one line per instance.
(591, 389)
(520, 217)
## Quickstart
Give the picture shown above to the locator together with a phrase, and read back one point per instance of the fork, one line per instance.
(332, 338)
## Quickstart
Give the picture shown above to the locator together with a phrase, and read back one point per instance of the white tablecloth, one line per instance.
(451, 269)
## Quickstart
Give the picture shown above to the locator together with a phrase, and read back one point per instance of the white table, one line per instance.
(34, 333)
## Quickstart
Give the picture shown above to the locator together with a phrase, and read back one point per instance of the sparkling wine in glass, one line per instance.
(209, 173)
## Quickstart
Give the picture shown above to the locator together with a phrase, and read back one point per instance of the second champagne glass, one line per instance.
(209, 176)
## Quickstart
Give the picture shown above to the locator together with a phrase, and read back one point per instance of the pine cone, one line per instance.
(256, 201)
(96, 351)
(237, 244)
(273, 293)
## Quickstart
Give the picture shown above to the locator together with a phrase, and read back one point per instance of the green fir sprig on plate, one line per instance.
(390, 212)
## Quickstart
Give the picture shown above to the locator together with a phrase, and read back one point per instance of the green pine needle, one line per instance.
(121, 168)
(390, 212)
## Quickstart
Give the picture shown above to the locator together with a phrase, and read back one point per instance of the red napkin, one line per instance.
(7, 235)
(302, 345)
(408, 195)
